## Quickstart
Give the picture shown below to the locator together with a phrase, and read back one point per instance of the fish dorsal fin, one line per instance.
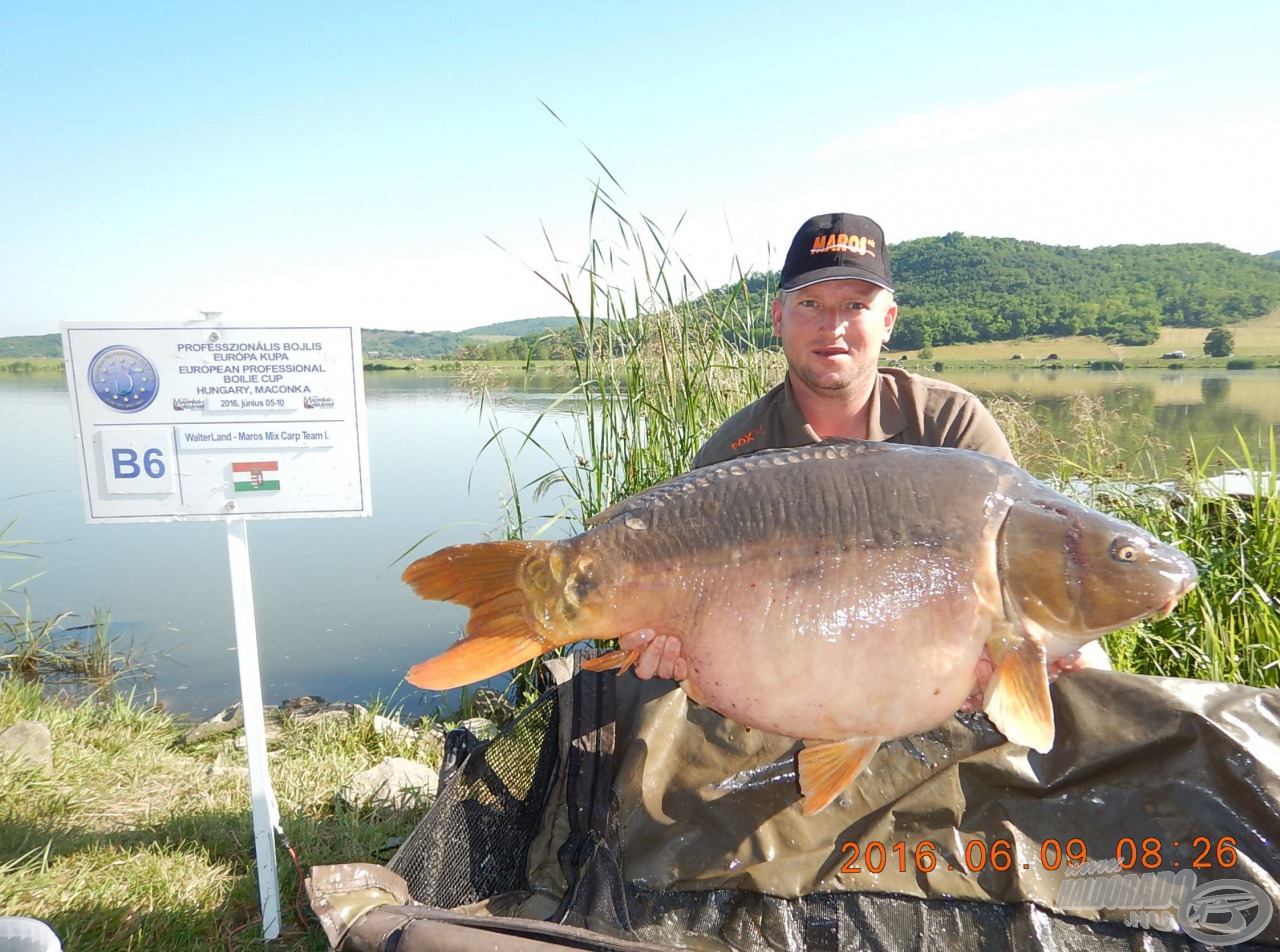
(604, 515)
(826, 768)
(1017, 696)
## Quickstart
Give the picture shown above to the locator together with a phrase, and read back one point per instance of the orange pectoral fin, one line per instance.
(1018, 697)
(826, 768)
(613, 660)
(477, 657)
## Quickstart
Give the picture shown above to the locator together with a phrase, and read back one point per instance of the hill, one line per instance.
(958, 289)
(953, 289)
(405, 345)
(41, 345)
(396, 345)
(531, 325)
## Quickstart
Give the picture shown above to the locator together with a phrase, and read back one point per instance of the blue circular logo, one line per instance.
(123, 379)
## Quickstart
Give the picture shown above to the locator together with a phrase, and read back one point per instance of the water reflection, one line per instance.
(1159, 414)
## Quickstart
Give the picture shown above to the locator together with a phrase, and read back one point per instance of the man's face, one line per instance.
(832, 332)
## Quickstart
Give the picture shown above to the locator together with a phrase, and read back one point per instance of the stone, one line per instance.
(224, 722)
(385, 725)
(305, 711)
(482, 727)
(28, 745)
(395, 784)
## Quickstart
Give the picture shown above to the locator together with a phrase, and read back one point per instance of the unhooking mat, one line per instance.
(620, 806)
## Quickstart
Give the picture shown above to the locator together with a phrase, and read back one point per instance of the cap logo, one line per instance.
(854, 244)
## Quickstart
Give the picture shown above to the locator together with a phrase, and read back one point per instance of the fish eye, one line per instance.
(1122, 550)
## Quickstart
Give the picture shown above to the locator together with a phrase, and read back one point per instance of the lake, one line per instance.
(333, 617)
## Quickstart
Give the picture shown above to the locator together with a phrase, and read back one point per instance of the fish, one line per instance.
(841, 594)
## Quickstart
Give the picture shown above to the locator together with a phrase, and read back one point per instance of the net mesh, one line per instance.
(473, 842)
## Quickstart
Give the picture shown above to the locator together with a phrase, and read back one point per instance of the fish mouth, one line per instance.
(1167, 608)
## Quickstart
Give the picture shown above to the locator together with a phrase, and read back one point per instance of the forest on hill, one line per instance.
(529, 325)
(958, 289)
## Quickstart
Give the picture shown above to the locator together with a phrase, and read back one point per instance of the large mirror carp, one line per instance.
(841, 593)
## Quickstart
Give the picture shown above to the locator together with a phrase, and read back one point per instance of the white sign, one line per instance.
(232, 422)
(204, 421)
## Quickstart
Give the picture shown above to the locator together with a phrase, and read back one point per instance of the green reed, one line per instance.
(657, 368)
(48, 650)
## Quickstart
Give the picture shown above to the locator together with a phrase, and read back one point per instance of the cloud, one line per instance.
(971, 123)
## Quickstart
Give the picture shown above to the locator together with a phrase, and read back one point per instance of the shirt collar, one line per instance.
(885, 420)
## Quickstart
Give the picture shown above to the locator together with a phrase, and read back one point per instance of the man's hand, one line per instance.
(661, 654)
(1092, 655)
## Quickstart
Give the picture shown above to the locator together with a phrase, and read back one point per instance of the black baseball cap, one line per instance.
(833, 247)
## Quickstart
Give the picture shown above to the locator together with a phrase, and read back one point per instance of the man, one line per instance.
(834, 312)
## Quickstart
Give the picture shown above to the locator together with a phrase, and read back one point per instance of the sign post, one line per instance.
(215, 421)
(266, 814)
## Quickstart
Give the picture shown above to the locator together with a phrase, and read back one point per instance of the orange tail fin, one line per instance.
(483, 577)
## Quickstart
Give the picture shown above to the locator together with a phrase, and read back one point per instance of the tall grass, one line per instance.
(656, 370)
(1228, 627)
(48, 650)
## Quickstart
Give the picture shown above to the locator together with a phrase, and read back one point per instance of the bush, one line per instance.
(939, 366)
(1219, 342)
(1106, 365)
(1241, 364)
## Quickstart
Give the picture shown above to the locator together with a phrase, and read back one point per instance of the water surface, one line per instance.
(333, 617)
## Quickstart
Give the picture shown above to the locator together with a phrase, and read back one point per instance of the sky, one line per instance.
(438, 166)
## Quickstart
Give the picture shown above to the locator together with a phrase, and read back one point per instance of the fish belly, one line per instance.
(885, 647)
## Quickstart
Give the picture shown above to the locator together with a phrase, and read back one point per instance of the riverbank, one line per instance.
(136, 836)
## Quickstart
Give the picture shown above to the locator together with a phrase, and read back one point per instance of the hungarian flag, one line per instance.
(251, 477)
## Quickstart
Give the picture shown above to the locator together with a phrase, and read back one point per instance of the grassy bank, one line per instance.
(139, 843)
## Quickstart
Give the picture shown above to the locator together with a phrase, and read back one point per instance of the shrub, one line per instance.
(1241, 364)
(1219, 342)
